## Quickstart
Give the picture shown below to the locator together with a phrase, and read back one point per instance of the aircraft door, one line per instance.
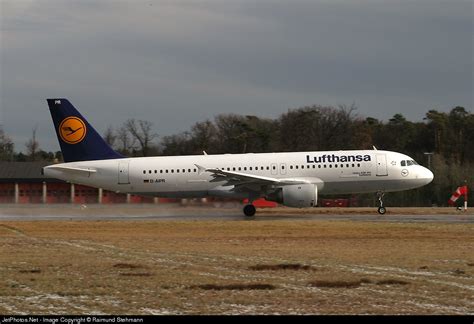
(381, 165)
(123, 175)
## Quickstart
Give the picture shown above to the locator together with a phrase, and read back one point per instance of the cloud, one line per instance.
(178, 62)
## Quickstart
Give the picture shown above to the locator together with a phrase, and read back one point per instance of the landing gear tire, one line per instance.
(249, 210)
(381, 209)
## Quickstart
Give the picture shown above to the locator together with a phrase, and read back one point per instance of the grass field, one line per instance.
(235, 267)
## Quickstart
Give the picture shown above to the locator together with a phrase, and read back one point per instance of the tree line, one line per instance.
(443, 142)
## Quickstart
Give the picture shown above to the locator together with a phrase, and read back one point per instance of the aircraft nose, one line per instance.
(426, 175)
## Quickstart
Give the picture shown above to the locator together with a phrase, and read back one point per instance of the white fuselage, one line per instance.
(334, 172)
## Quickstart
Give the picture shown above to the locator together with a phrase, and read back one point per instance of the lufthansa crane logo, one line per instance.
(72, 130)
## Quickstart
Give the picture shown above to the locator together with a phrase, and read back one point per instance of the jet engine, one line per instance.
(295, 195)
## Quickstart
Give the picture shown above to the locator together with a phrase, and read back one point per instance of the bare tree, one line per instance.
(110, 136)
(318, 128)
(32, 146)
(141, 130)
(203, 137)
(6, 146)
(232, 133)
(180, 144)
(126, 142)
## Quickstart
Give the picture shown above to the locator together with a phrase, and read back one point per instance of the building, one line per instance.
(23, 183)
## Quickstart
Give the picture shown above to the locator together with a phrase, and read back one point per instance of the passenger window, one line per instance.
(296, 167)
(319, 166)
(291, 167)
(144, 171)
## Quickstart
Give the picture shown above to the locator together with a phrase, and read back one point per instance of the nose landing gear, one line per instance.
(381, 210)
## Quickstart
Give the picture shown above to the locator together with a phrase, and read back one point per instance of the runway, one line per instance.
(171, 259)
(229, 213)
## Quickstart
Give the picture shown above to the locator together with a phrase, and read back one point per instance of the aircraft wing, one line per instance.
(239, 179)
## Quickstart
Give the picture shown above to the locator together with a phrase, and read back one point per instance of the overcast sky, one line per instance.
(178, 62)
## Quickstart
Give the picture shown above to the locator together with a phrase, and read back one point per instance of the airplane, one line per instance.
(293, 179)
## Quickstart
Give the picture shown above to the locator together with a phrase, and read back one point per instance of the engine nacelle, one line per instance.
(297, 195)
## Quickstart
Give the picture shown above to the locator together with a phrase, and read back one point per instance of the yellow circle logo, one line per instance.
(72, 130)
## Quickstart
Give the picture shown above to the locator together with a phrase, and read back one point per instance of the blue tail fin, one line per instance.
(78, 140)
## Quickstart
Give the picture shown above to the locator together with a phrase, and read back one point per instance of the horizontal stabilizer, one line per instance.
(71, 169)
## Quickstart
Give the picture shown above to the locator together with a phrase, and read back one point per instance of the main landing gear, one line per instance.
(249, 210)
(381, 209)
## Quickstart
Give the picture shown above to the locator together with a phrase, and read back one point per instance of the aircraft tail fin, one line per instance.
(79, 141)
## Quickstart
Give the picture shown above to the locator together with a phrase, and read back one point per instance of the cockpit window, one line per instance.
(408, 162)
